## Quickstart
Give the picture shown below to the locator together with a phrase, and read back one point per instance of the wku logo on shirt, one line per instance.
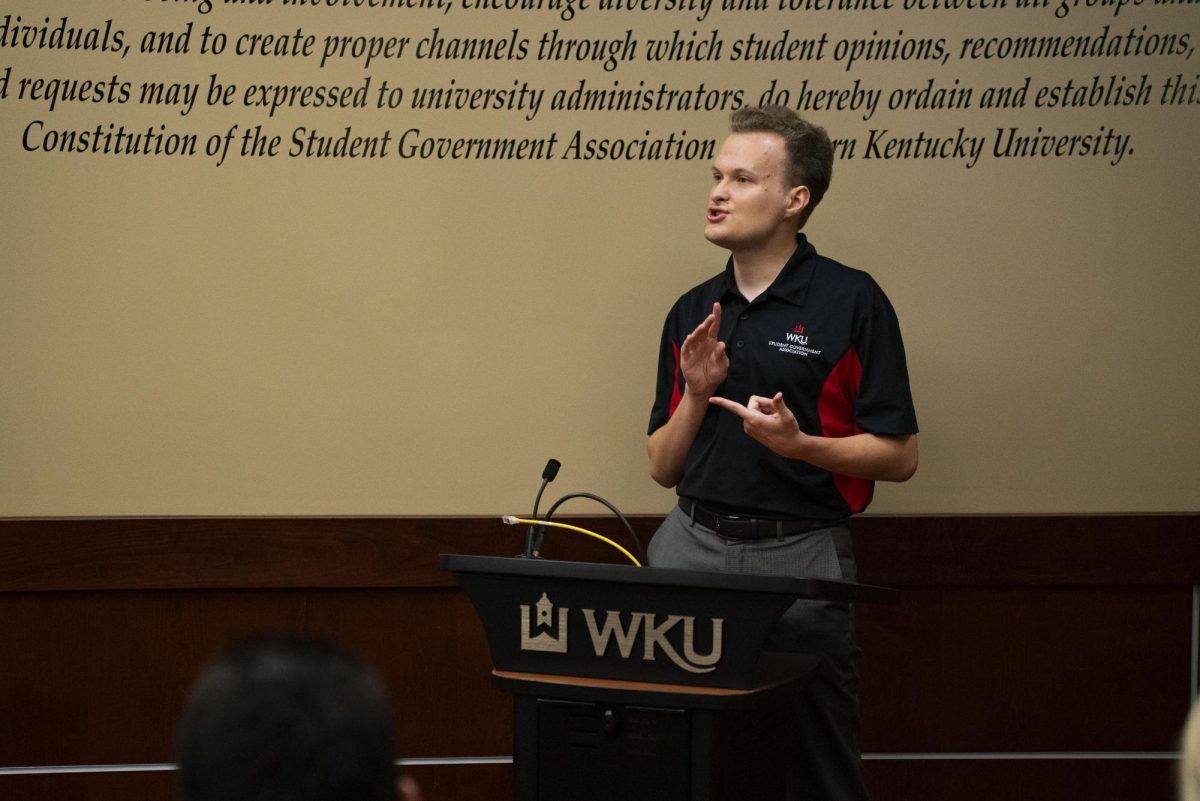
(795, 343)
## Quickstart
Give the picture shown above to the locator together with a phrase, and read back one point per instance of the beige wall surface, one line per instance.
(226, 331)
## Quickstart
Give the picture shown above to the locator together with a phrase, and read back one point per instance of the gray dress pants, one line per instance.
(826, 758)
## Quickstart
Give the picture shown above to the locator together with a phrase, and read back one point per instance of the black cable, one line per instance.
(611, 508)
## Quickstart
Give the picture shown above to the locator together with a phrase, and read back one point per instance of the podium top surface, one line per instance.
(801, 588)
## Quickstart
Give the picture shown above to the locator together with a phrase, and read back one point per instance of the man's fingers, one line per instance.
(760, 404)
(699, 345)
(698, 339)
(712, 323)
(707, 330)
(772, 405)
(731, 406)
(778, 404)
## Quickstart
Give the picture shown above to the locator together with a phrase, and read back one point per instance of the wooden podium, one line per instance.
(642, 683)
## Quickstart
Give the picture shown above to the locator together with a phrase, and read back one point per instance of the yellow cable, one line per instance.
(512, 521)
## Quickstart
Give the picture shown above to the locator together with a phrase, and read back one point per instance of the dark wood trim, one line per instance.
(980, 550)
(62, 554)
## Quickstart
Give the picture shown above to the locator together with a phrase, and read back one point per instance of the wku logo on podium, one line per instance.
(550, 635)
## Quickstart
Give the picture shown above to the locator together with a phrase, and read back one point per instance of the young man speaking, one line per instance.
(782, 397)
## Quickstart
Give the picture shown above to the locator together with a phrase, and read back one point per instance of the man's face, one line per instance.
(751, 203)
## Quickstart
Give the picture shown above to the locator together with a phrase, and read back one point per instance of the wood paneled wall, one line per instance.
(1028, 658)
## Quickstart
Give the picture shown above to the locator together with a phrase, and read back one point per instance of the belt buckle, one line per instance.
(730, 518)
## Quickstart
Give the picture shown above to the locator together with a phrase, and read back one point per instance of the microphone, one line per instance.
(536, 534)
(537, 525)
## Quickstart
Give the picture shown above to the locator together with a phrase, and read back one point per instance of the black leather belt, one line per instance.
(741, 527)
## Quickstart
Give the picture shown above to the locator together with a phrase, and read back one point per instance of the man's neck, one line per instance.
(755, 270)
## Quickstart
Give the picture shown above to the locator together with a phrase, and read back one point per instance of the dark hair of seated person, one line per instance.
(287, 717)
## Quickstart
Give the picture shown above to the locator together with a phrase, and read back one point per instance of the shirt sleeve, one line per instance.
(884, 403)
(669, 389)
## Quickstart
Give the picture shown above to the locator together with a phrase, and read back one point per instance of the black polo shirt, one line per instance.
(823, 334)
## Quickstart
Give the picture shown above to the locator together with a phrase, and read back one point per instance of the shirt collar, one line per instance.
(792, 282)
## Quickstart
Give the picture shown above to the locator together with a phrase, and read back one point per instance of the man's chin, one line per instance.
(718, 237)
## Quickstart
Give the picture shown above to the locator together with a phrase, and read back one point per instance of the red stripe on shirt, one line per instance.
(676, 395)
(835, 405)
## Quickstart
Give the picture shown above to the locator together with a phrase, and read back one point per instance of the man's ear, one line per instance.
(409, 789)
(797, 200)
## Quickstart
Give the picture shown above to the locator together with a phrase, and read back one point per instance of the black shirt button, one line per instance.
(740, 343)
(745, 316)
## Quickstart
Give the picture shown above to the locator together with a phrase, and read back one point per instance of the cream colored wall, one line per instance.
(291, 336)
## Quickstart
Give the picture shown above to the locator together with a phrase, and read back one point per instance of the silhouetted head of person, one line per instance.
(287, 717)
(1189, 762)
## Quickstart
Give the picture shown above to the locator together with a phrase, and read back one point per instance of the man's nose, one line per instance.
(720, 190)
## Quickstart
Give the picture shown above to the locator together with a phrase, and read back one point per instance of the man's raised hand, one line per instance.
(702, 359)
